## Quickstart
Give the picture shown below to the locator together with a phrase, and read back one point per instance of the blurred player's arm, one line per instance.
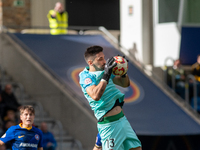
(1, 143)
(122, 81)
(97, 148)
(98, 144)
(40, 148)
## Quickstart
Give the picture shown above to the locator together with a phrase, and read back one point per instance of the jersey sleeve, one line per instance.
(87, 80)
(98, 140)
(8, 136)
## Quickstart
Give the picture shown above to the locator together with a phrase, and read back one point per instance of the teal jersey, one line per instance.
(118, 135)
(110, 95)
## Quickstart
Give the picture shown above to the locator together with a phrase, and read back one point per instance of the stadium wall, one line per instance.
(25, 13)
(78, 121)
(16, 13)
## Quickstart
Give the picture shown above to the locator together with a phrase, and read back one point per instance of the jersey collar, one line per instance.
(28, 128)
(87, 68)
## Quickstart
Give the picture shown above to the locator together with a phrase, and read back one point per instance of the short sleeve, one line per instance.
(87, 80)
(8, 136)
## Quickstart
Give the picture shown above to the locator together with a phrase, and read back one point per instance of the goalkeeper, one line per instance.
(98, 85)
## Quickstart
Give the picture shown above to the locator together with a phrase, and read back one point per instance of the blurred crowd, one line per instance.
(179, 79)
(9, 108)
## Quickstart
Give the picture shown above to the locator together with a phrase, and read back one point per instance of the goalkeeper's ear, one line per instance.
(90, 62)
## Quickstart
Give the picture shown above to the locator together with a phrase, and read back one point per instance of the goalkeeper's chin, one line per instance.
(102, 68)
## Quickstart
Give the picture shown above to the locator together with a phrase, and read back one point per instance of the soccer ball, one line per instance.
(122, 66)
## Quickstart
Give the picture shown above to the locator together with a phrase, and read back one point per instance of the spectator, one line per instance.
(8, 124)
(11, 115)
(196, 69)
(2, 107)
(1, 130)
(9, 100)
(49, 142)
(177, 74)
(180, 77)
(58, 19)
(196, 72)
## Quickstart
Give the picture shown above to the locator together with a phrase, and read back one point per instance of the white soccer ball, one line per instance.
(122, 66)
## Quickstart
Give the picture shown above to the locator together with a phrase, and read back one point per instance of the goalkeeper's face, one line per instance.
(99, 62)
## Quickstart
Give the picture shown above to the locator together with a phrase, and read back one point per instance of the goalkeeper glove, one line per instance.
(108, 69)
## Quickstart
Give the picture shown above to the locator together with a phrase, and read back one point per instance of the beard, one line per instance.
(101, 68)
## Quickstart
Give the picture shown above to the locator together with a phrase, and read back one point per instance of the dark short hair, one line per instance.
(28, 108)
(92, 51)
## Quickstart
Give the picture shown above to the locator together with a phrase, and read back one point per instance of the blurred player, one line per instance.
(98, 85)
(24, 136)
(98, 144)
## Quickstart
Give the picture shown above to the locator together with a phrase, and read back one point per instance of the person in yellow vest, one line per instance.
(58, 20)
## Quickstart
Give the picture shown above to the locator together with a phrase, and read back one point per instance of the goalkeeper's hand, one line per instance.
(108, 69)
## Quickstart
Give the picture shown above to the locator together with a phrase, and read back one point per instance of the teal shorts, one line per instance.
(117, 134)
